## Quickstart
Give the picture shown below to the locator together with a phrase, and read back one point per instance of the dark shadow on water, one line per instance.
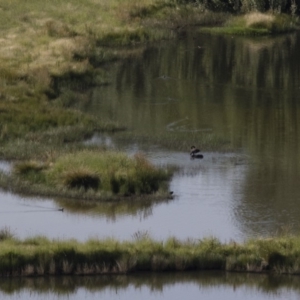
(112, 210)
(265, 285)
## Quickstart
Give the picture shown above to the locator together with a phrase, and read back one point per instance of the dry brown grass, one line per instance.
(258, 18)
(34, 34)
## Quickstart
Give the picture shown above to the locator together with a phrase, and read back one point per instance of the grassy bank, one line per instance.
(40, 256)
(47, 46)
(53, 53)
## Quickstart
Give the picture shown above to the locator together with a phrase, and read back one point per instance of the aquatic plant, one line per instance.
(117, 172)
(25, 167)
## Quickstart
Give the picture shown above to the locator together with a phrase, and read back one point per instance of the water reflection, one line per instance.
(244, 90)
(210, 285)
(5, 166)
(140, 209)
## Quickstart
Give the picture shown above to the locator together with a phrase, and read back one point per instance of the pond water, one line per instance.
(240, 93)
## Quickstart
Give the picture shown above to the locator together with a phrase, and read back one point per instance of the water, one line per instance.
(208, 285)
(241, 93)
(203, 205)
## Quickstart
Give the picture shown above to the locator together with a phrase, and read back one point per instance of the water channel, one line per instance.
(241, 91)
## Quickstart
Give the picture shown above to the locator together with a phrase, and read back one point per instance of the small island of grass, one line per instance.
(89, 174)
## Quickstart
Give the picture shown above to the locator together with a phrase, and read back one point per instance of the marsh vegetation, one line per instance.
(89, 174)
(40, 256)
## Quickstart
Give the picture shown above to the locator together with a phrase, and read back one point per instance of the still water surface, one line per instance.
(240, 91)
(148, 286)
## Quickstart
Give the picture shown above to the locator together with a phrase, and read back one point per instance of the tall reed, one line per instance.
(98, 174)
(40, 256)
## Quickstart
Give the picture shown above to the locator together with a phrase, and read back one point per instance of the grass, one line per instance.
(40, 256)
(257, 23)
(89, 173)
(5, 234)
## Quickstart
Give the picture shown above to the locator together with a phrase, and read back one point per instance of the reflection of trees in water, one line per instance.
(268, 285)
(245, 90)
(111, 210)
(222, 86)
(270, 200)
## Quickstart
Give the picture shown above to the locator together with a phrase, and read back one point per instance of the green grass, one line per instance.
(40, 256)
(94, 174)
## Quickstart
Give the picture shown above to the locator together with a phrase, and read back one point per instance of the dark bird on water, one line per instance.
(195, 153)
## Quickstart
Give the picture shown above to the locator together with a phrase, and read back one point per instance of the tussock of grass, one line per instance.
(124, 37)
(89, 174)
(257, 19)
(40, 256)
(182, 17)
(117, 173)
(23, 168)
